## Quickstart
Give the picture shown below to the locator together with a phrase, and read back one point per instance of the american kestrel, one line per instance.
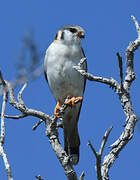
(62, 55)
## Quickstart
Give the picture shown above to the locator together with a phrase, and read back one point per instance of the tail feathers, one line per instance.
(71, 135)
(74, 153)
(72, 144)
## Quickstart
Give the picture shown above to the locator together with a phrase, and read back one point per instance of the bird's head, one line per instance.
(70, 34)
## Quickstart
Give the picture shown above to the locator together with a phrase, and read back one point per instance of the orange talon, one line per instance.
(73, 100)
(56, 109)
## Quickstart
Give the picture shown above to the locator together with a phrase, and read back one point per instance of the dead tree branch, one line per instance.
(38, 177)
(51, 128)
(123, 91)
(2, 135)
(98, 155)
(121, 69)
(15, 117)
(82, 176)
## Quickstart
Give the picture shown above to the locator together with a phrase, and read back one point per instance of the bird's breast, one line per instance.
(63, 79)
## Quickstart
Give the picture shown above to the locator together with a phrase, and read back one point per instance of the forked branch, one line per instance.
(51, 128)
(123, 91)
(98, 155)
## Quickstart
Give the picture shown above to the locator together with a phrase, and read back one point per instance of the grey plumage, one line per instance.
(64, 53)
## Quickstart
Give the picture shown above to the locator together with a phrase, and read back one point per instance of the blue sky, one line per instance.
(109, 28)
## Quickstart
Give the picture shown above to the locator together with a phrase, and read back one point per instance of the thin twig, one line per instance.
(37, 124)
(82, 176)
(81, 62)
(98, 155)
(137, 25)
(19, 97)
(38, 177)
(98, 161)
(104, 140)
(121, 69)
(20, 107)
(15, 117)
(92, 148)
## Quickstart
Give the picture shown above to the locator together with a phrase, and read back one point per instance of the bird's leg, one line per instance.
(56, 109)
(73, 100)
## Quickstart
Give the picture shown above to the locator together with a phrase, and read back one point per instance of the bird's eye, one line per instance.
(73, 30)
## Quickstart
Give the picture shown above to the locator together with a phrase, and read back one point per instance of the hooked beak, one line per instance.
(81, 34)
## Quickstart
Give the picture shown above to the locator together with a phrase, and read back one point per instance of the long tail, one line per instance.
(71, 135)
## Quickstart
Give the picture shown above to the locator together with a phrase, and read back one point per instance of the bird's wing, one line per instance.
(74, 137)
(85, 68)
(45, 67)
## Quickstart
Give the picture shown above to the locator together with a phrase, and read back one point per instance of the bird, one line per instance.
(64, 81)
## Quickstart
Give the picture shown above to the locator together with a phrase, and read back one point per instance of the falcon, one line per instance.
(64, 81)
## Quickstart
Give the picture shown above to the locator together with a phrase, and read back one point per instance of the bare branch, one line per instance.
(131, 119)
(98, 161)
(2, 137)
(52, 133)
(2, 82)
(22, 108)
(98, 155)
(137, 25)
(37, 124)
(81, 62)
(82, 176)
(123, 91)
(104, 140)
(130, 76)
(121, 69)
(93, 150)
(6, 163)
(111, 82)
(38, 177)
(20, 94)
(15, 117)
(51, 130)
